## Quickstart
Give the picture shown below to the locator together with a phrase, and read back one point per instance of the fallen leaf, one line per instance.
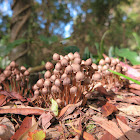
(23, 110)
(131, 134)
(85, 135)
(137, 92)
(68, 110)
(54, 107)
(122, 118)
(102, 90)
(110, 126)
(37, 135)
(132, 110)
(134, 86)
(108, 109)
(26, 124)
(13, 95)
(45, 119)
(31, 129)
(6, 128)
(2, 100)
(131, 72)
(108, 136)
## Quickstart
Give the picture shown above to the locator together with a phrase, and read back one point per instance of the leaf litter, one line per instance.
(108, 115)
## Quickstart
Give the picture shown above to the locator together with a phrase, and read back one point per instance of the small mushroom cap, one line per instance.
(107, 60)
(7, 72)
(64, 76)
(79, 76)
(47, 74)
(44, 90)
(83, 62)
(40, 83)
(76, 55)
(47, 83)
(73, 89)
(61, 57)
(66, 81)
(58, 101)
(75, 67)
(113, 62)
(36, 93)
(35, 87)
(88, 62)
(117, 60)
(8, 68)
(49, 66)
(105, 67)
(66, 57)
(102, 62)
(100, 67)
(94, 66)
(23, 69)
(26, 73)
(71, 56)
(58, 66)
(13, 64)
(57, 82)
(2, 77)
(77, 60)
(55, 89)
(96, 76)
(124, 69)
(56, 72)
(56, 57)
(118, 68)
(53, 78)
(68, 69)
(64, 62)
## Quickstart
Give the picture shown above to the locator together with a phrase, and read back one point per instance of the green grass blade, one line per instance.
(131, 79)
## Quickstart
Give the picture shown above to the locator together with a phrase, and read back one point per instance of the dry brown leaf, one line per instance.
(23, 110)
(2, 100)
(68, 110)
(137, 92)
(108, 136)
(131, 134)
(134, 86)
(45, 119)
(110, 126)
(27, 123)
(108, 109)
(6, 128)
(132, 110)
(85, 135)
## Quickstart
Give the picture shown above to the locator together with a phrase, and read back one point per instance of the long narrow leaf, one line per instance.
(120, 74)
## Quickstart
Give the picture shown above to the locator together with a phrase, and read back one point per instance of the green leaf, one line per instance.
(72, 49)
(54, 107)
(39, 135)
(48, 40)
(120, 74)
(137, 38)
(6, 49)
(130, 55)
(86, 54)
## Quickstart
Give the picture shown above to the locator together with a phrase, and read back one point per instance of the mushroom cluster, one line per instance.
(14, 79)
(108, 78)
(68, 80)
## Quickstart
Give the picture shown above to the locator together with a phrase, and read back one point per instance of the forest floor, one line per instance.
(107, 115)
